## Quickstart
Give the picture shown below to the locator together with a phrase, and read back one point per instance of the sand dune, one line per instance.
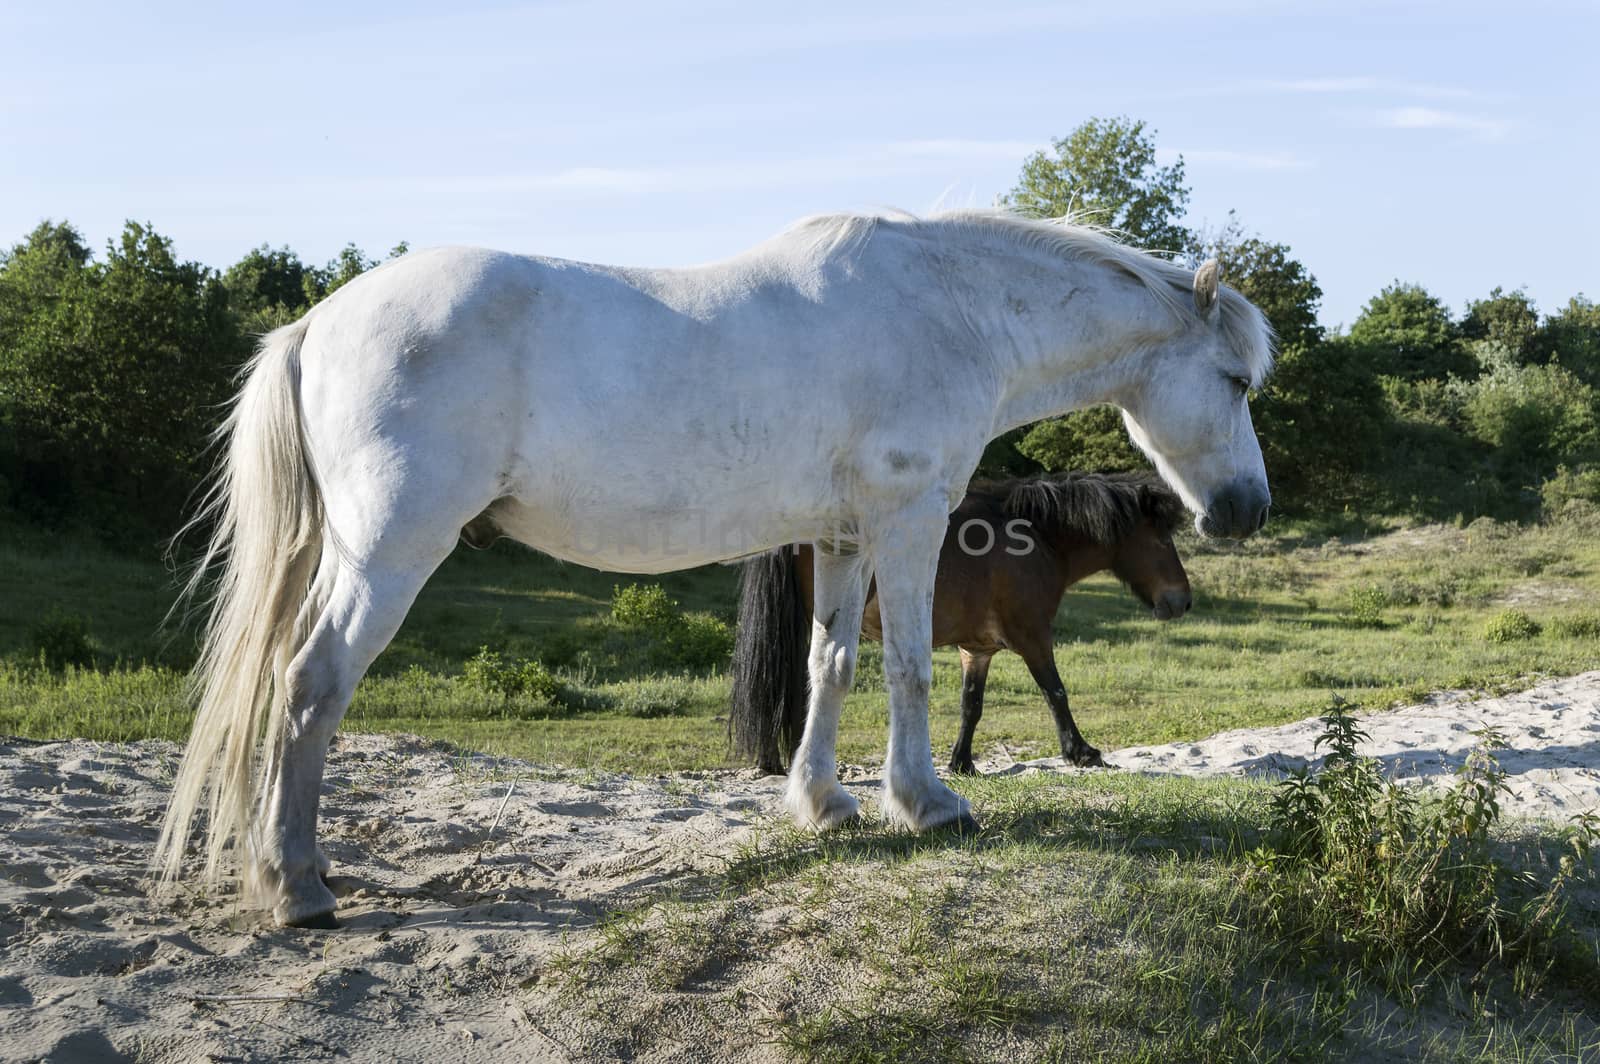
(455, 897)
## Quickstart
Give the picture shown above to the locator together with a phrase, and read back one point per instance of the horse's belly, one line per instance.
(626, 539)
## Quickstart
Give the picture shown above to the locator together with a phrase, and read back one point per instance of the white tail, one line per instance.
(267, 539)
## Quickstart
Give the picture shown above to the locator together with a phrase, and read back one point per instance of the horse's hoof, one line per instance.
(963, 768)
(1088, 757)
(835, 808)
(966, 825)
(323, 921)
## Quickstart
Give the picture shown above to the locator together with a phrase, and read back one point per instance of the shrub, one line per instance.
(1358, 863)
(649, 699)
(1580, 486)
(673, 640)
(1510, 626)
(642, 606)
(487, 671)
(1366, 605)
(1528, 413)
(697, 641)
(60, 640)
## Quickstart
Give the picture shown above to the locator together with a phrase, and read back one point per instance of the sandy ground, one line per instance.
(455, 897)
(1552, 756)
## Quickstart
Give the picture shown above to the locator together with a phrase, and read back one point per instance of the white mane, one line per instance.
(1246, 329)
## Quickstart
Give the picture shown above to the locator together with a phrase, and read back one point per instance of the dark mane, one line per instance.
(1105, 507)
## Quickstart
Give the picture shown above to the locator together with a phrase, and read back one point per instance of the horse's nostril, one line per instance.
(1171, 605)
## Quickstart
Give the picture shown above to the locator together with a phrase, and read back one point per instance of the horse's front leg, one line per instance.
(815, 797)
(1040, 658)
(906, 557)
(974, 678)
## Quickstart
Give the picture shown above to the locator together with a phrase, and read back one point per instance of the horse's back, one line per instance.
(658, 400)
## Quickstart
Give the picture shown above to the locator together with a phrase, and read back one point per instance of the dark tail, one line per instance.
(768, 713)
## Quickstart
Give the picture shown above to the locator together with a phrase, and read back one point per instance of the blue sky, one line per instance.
(1455, 144)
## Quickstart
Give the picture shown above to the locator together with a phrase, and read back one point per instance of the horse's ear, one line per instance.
(1206, 280)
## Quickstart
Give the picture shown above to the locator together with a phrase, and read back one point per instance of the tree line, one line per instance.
(115, 371)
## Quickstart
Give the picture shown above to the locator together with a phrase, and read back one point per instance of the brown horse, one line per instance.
(1012, 549)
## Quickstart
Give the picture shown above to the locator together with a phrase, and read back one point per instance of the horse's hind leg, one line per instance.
(1039, 654)
(815, 796)
(365, 605)
(906, 556)
(974, 678)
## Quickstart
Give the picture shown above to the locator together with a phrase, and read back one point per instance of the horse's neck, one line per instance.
(1081, 556)
(1065, 333)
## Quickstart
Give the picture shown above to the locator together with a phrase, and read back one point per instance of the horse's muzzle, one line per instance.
(1237, 511)
(1170, 605)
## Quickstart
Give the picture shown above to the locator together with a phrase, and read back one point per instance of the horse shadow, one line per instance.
(1188, 831)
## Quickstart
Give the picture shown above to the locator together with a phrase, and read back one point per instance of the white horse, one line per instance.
(836, 384)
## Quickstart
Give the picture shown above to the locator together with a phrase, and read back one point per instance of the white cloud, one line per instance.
(1363, 84)
(954, 161)
(1433, 118)
(964, 149)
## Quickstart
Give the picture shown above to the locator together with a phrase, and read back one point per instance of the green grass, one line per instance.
(1105, 917)
(1278, 623)
(1099, 918)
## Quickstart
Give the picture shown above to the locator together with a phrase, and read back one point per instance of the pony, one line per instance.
(835, 384)
(1011, 550)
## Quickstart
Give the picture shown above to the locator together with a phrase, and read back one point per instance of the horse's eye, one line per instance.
(1241, 385)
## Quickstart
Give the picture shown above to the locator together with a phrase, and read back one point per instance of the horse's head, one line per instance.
(1146, 560)
(1192, 415)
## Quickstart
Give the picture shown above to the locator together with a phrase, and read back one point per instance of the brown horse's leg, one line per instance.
(974, 675)
(1042, 664)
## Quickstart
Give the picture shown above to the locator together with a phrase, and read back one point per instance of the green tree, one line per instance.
(55, 246)
(272, 286)
(267, 288)
(1092, 439)
(111, 374)
(1105, 172)
(1409, 334)
(1510, 320)
(43, 283)
(1572, 339)
(349, 264)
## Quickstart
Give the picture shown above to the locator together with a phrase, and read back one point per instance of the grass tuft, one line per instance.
(1510, 626)
(1576, 626)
